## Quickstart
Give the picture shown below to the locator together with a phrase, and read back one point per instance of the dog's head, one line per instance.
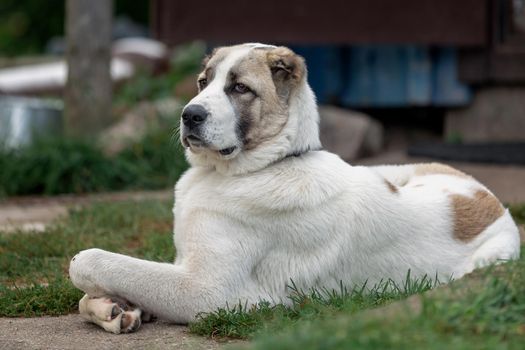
(248, 95)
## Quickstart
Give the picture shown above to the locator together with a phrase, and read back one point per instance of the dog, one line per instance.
(263, 204)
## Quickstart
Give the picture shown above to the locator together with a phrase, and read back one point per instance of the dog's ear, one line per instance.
(288, 69)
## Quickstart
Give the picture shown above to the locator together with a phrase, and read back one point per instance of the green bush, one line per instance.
(26, 26)
(71, 166)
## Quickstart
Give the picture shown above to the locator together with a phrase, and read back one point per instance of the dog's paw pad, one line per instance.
(130, 321)
(115, 311)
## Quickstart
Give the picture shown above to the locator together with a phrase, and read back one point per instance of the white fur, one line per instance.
(246, 226)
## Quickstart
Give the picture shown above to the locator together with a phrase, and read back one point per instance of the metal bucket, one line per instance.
(24, 119)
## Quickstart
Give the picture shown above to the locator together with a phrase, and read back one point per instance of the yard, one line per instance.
(394, 87)
(483, 310)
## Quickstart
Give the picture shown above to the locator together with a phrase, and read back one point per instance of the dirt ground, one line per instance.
(33, 213)
(72, 332)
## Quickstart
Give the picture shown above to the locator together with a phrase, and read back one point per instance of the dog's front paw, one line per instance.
(112, 314)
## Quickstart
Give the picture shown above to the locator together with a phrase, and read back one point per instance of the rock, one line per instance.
(496, 114)
(349, 134)
(140, 119)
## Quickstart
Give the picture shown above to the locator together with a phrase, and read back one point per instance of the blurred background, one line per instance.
(91, 90)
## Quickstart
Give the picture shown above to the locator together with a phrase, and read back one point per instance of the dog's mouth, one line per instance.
(195, 142)
(227, 151)
(192, 141)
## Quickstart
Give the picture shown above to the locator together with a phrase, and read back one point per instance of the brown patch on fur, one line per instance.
(263, 113)
(438, 168)
(473, 215)
(288, 69)
(210, 62)
(391, 186)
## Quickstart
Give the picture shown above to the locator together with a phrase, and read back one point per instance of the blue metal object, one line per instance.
(419, 83)
(446, 89)
(325, 74)
(385, 75)
(375, 76)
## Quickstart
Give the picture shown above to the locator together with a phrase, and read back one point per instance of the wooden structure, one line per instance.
(501, 58)
(492, 50)
(444, 22)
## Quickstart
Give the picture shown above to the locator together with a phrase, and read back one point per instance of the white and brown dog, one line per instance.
(262, 205)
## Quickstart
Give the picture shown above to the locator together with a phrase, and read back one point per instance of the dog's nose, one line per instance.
(193, 115)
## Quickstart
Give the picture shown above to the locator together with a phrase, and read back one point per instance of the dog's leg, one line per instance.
(173, 292)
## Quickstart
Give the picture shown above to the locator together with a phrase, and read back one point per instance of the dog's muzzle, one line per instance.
(193, 117)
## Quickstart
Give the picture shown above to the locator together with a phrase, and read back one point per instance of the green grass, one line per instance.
(59, 297)
(242, 322)
(72, 166)
(485, 310)
(141, 229)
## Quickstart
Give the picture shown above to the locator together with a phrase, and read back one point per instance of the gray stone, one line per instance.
(496, 114)
(349, 134)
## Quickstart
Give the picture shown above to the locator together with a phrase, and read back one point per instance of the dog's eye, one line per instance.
(202, 83)
(241, 88)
